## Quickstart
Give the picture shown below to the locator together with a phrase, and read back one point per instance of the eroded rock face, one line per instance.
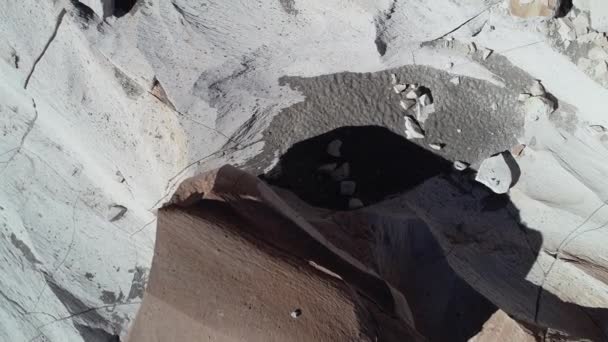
(534, 8)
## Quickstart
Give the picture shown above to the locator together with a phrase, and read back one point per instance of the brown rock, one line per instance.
(533, 8)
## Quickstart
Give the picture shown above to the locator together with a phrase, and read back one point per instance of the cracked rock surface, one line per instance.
(107, 106)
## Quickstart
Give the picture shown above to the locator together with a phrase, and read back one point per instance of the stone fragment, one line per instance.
(455, 80)
(296, 313)
(116, 212)
(486, 53)
(450, 65)
(523, 97)
(347, 188)
(412, 129)
(423, 112)
(436, 146)
(494, 106)
(495, 173)
(537, 89)
(333, 149)
(472, 47)
(393, 79)
(355, 203)
(412, 94)
(533, 8)
(537, 107)
(425, 100)
(460, 165)
(566, 29)
(341, 173)
(399, 88)
(407, 104)
(566, 44)
(587, 38)
(581, 24)
(518, 150)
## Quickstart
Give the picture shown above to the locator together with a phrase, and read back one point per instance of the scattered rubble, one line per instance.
(341, 173)
(412, 129)
(460, 165)
(355, 203)
(333, 149)
(347, 188)
(495, 173)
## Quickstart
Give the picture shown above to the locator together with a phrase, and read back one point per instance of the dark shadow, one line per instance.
(483, 233)
(122, 7)
(381, 163)
(564, 8)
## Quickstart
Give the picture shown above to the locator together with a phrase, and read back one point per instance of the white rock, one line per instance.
(399, 88)
(412, 94)
(495, 173)
(407, 104)
(601, 69)
(393, 79)
(460, 165)
(601, 40)
(567, 43)
(598, 54)
(537, 89)
(423, 112)
(494, 106)
(347, 188)
(537, 107)
(341, 173)
(355, 203)
(472, 47)
(333, 149)
(436, 146)
(581, 24)
(599, 14)
(412, 129)
(425, 100)
(566, 29)
(296, 313)
(523, 97)
(487, 53)
(455, 80)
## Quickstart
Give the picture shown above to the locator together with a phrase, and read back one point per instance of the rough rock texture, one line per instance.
(534, 8)
(82, 130)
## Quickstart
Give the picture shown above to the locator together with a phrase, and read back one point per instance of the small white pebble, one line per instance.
(436, 146)
(460, 166)
(296, 313)
(494, 106)
(399, 88)
(458, 130)
(393, 79)
(455, 80)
